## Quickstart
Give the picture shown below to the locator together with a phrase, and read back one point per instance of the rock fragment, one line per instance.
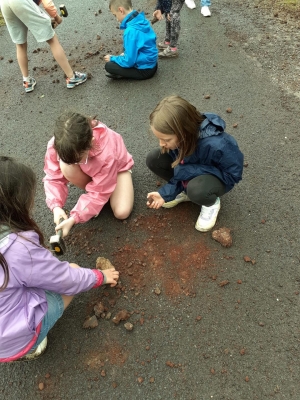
(223, 236)
(128, 326)
(90, 323)
(103, 263)
(122, 315)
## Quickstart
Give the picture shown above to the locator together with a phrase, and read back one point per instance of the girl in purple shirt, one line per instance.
(35, 287)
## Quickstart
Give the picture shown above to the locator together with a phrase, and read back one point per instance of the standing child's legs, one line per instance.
(121, 201)
(60, 56)
(22, 58)
(74, 174)
(172, 30)
(205, 11)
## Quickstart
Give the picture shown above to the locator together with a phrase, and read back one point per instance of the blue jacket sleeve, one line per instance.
(169, 191)
(130, 50)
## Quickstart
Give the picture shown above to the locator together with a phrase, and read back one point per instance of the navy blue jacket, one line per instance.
(217, 154)
(140, 49)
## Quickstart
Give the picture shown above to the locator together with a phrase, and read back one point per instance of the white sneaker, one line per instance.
(36, 353)
(180, 198)
(205, 11)
(190, 4)
(208, 217)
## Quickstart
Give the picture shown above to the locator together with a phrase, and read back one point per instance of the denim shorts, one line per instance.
(55, 311)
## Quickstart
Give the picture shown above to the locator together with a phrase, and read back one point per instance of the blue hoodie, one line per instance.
(140, 49)
(217, 154)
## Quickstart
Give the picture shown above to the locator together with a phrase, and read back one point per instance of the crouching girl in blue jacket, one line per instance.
(199, 161)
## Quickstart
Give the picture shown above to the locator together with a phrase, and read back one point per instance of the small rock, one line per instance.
(207, 96)
(223, 236)
(158, 183)
(247, 379)
(212, 371)
(151, 380)
(128, 326)
(108, 315)
(47, 376)
(247, 259)
(263, 221)
(242, 352)
(140, 379)
(114, 385)
(235, 125)
(261, 324)
(41, 386)
(224, 283)
(239, 281)
(90, 323)
(246, 164)
(103, 263)
(99, 309)
(122, 315)
(229, 110)
(170, 364)
(103, 373)
(98, 37)
(96, 14)
(157, 291)
(198, 318)
(10, 61)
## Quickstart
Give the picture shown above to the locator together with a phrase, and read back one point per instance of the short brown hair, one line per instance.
(72, 136)
(176, 116)
(120, 3)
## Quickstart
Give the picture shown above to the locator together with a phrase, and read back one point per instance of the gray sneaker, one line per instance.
(78, 79)
(168, 53)
(162, 45)
(29, 86)
(180, 198)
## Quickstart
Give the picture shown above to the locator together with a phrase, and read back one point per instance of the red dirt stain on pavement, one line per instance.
(110, 352)
(170, 257)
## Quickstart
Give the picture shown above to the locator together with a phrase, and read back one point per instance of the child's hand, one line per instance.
(66, 226)
(111, 276)
(154, 200)
(168, 17)
(107, 58)
(58, 19)
(58, 214)
(157, 14)
(54, 23)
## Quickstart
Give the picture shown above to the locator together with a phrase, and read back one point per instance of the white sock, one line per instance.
(26, 79)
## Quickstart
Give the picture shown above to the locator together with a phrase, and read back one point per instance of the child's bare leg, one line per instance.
(60, 56)
(121, 200)
(74, 174)
(22, 58)
(67, 299)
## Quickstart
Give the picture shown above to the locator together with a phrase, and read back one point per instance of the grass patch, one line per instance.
(2, 22)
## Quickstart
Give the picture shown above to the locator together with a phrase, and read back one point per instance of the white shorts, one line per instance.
(21, 15)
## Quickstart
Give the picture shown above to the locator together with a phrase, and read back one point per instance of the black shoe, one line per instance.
(114, 76)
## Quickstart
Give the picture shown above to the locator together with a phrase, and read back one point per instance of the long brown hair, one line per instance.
(176, 116)
(72, 136)
(17, 189)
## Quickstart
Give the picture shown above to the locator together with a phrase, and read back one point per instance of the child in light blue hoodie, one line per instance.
(139, 60)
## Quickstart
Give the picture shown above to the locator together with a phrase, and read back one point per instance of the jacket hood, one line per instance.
(213, 125)
(139, 22)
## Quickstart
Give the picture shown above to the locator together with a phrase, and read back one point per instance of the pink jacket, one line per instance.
(108, 157)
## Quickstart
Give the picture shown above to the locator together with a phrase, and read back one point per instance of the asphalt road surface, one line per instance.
(194, 337)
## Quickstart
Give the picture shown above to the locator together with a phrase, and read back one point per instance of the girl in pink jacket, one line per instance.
(94, 158)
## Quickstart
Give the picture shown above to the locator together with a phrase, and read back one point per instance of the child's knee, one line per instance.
(122, 212)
